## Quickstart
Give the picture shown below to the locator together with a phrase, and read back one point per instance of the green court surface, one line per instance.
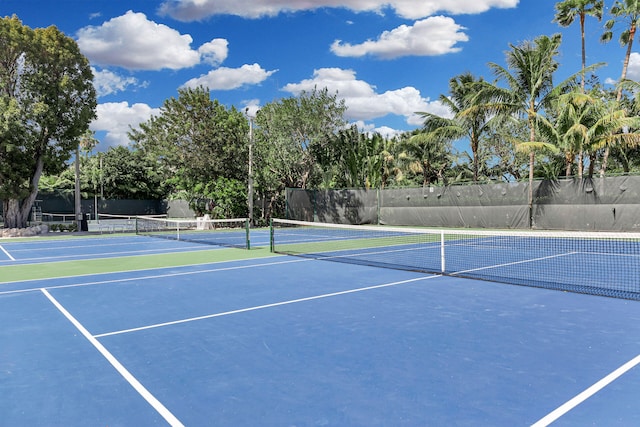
(57, 269)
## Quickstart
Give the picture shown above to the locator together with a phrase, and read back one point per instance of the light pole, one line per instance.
(78, 208)
(250, 177)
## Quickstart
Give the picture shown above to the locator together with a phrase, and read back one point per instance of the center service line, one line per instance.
(146, 394)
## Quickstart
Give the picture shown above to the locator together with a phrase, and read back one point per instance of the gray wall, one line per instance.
(606, 204)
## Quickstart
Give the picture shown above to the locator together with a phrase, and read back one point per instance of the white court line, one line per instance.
(563, 409)
(261, 307)
(155, 276)
(507, 264)
(7, 253)
(105, 255)
(146, 394)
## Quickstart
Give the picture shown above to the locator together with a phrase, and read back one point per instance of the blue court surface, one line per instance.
(82, 248)
(288, 341)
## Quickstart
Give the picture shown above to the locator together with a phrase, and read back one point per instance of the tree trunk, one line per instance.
(625, 67)
(532, 158)
(584, 53)
(16, 212)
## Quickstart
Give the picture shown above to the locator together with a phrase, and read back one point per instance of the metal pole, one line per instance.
(78, 209)
(250, 178)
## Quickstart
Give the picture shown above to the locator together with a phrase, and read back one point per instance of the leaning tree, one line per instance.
(47, 101)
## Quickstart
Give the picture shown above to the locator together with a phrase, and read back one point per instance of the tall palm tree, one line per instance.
(628, 12)
(467, 121)
(566, 13)
(529, 77)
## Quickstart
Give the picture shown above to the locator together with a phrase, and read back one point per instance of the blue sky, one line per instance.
(387, 58)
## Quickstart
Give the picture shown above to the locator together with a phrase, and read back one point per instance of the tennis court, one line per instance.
(198, 335)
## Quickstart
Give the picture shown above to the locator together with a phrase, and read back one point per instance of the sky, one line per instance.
(388, 59)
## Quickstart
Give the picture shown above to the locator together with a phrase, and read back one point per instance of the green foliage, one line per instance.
(222, 198)
(293, 138)
(195, 140)
(124, 174)
(469, 119)
(357, 160)
(70, 227)
(118, 173)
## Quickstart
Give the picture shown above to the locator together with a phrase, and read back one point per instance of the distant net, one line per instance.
(117, 217)
(222, 232)
(606, 264)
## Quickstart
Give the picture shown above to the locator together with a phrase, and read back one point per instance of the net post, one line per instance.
(246, 227)
(443, 266)
(271, 237)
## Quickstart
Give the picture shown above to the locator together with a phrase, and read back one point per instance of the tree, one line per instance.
(293, 137)
(504, 161)
(627, 11)
(427, 156)
(530, 89)
(568, 10)
(587, 122)
(47, 101)
(118, 173)
(467, 121)
(360, 160)
(121, 173)
(194, 141)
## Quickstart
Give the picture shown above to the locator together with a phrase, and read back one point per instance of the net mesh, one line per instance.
(606, 264)
(222, 232)
(114, 223)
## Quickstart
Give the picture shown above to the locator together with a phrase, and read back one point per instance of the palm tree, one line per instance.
(587, 122)
(467, 121)
(627, 11)
(389, 163)
(427, 156)
(529, 77)
(568, 10)
(573, 115)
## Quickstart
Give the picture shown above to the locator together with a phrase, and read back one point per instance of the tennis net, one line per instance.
(223, 232)
(114, 223)
(606, 264)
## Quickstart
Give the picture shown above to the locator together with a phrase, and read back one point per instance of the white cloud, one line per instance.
(633, 72)
(436, 35)
(362, 100)
(132, 41)
(214, 52)
(370, 129)
(115, 118)
(224, 78)
(107, 82)
(194, 10)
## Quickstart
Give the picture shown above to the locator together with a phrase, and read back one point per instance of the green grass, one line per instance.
(51, 270)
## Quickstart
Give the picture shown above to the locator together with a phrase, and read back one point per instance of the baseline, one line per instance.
(586, 394)
(7, 253)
